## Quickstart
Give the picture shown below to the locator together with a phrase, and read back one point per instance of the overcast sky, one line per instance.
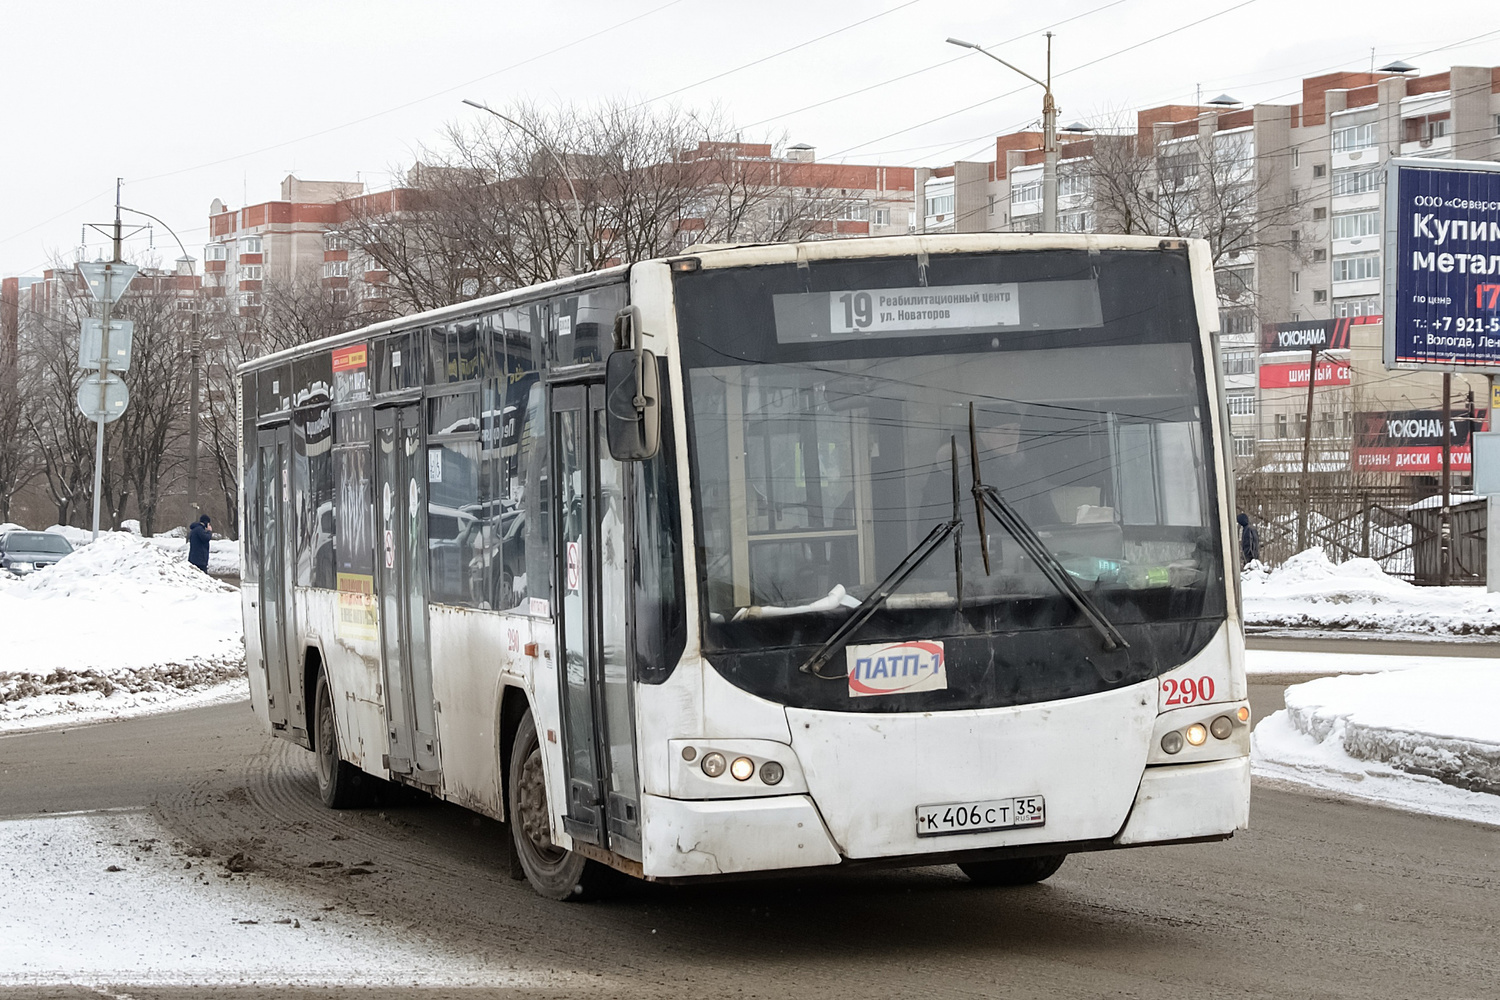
(191, 101)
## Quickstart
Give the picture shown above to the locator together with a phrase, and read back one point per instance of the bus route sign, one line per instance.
(1442, 268)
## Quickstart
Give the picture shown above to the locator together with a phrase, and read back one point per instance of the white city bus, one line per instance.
(905, 551)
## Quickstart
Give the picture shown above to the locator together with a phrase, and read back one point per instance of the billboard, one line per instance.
(1308, 335)
(1442, 266)
(1411, 441)
(1293, 375)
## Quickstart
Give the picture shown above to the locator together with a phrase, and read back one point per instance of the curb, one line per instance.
(1473, 765)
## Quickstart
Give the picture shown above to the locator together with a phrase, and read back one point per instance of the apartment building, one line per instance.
(1292, 194)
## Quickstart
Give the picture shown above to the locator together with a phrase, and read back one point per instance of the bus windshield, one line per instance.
(830, 411)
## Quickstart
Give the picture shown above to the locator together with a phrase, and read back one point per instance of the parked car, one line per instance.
(23, 552)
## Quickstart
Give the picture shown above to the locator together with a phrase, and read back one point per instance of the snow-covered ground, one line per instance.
(1425, 738)
(120, 626)
(107, 897)
(1310, 592)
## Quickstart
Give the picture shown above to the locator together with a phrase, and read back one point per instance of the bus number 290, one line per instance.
(1187, 690)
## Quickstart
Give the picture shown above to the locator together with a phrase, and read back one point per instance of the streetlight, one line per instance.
(1049, 130)
(193, 381)
(580, 258)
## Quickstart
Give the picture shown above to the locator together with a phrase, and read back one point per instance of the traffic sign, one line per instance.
(121, 336)
(107, 279)
(116, 398)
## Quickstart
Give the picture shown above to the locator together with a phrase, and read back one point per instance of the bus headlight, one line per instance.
(742, 769)
(1172, 742)
(1221, 727)
(772, 773)
(713, 764)
(1197, 734)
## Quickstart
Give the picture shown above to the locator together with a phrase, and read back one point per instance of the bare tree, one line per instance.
(17, 459)
(61, 440)
(493, 208)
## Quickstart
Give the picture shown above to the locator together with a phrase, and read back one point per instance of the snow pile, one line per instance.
(115, 626)
(1427, 738)
(99, 900)
(1309, 591)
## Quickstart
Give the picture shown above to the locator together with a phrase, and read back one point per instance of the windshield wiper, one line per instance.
(909, 564)
(987, 497)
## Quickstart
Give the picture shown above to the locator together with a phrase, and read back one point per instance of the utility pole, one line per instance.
(1049, 130)
(104, 373)
(1312, 379)
(1445, 519)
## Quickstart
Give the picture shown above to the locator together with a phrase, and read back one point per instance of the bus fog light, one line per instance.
(689, 753)
(1197, 735)
(1221, 727)
(1243, 714)
(713, 764)
(772, 773)
(742, 768)
(1172, 742)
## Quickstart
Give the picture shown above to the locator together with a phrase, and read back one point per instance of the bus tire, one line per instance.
(555, 873)
(1012, 871)
(341, 785)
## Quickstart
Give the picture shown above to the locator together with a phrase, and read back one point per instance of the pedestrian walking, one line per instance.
(199, 534)
(1249, 540)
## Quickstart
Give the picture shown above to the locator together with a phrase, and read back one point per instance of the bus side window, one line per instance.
(249, 476)
(661, 629)
(522, 575)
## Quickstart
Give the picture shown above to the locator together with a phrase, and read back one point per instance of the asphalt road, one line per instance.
(1320, 898)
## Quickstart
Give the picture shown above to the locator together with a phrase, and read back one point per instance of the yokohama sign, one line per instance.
(1316, 334)
(1411, 440)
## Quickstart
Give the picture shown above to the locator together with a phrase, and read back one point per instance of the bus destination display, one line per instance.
(1443, 283)
(865, 313)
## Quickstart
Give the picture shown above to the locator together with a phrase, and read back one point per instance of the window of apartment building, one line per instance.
(1239, 362)
(992, 206)
(1319, 214)
(1355, 224)
(1244, 446)
(1497, 124)
(1319, 169)
(1366, 265)
(1076, 222)
(1028, 191)
(1071, 182)
(940, 204)
(1296, 281)
(1241, 402)
(1296, 157)
(1347, 140)
(336, 269)
(1237, 321)
(215, 251)
(1320, 295)
(337, 241)
(250, 272)
(1281, 425)
(854, 211)
(1319, 256)
(247, 300)
(1355, 180)
(1360, 305)
(1426, 128)
(882, 217)
(250, 244)
(1233, 283)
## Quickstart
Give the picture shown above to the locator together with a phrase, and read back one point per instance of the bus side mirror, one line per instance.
(632, 405)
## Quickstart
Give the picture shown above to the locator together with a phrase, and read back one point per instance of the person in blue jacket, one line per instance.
(198, 537)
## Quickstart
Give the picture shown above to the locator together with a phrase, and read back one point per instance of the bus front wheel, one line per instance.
(341, 785)
(1013, 871)
(553, 872)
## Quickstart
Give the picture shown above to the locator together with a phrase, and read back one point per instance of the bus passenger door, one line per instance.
(603, 805)
(278, 632)
(401, 569)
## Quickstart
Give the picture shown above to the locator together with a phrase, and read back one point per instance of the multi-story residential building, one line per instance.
(1290, 196)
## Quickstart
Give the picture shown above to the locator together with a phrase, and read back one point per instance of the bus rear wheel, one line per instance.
(555, 873)
(1012, 871)
(341, 785)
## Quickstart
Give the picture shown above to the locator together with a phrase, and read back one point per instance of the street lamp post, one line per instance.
(1049, 130)
(194, 390)
(580, 257)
